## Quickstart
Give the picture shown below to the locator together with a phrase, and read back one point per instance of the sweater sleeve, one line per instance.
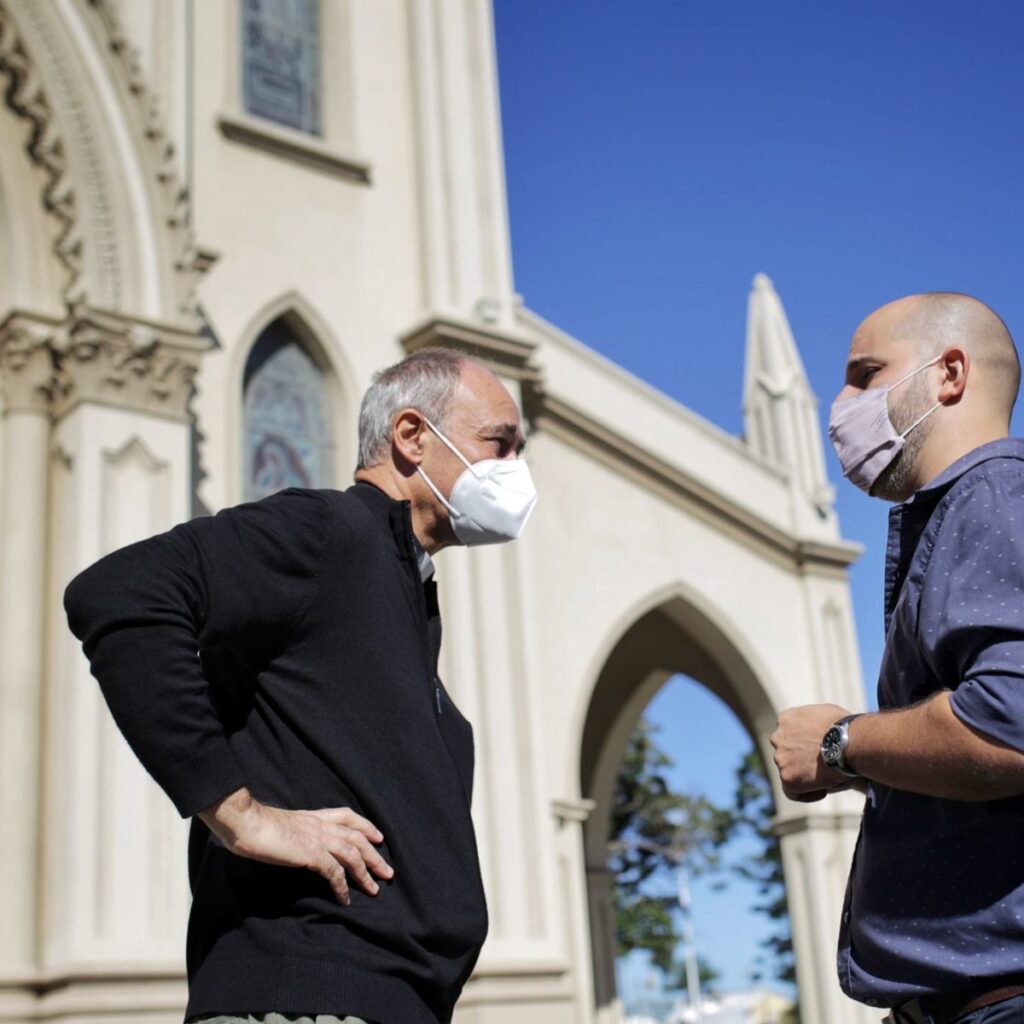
(239, 578)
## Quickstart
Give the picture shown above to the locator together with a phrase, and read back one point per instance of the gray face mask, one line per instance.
(490, 501)
(862, 433)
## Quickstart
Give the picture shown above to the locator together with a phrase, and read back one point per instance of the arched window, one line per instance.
(281, 61)
(288, 439)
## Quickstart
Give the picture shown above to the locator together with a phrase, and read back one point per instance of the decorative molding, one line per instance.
(26, 98)
(505, 354)
(512, 356)
(131, 364)
(27, 363)
(177, 207)
(577, 428)
(843, 821)
(101, 277)
(293, 145)
(50, 367)
(567, 811)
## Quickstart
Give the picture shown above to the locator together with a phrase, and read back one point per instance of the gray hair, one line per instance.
(425, 381)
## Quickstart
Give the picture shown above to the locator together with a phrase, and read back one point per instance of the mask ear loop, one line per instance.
(437, 493)
(455, 451)
(918, 422)
(913, 373)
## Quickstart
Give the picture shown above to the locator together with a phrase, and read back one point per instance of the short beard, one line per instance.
(897, 481)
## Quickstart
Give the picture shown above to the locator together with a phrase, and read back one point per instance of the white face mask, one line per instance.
(491, 500)
(862, 433)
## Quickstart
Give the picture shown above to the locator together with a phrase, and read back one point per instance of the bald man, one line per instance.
(933, 926)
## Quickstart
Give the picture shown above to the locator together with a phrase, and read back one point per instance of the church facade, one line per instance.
(217, 220)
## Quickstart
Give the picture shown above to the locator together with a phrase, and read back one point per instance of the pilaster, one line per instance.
(26, 376)
(96, 454)
(817, 849)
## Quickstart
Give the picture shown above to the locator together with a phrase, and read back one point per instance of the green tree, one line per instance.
(654, 828)
(752, 811)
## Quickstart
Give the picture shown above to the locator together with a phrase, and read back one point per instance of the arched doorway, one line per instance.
(674, 636)
(679, 633)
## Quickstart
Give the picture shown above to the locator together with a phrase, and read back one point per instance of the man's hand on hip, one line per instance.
(797, 742)
(334, 842)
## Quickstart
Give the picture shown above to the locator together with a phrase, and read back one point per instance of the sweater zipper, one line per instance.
(437, 696)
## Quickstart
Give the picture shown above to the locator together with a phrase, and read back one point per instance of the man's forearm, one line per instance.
(926, 749)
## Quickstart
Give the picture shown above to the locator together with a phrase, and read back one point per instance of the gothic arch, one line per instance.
(322, 346)
(106, 171)
(673, 630)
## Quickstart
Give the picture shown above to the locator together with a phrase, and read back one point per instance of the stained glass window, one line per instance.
(288, 439)
(281, 61)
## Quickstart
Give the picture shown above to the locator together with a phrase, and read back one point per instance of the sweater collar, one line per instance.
(394, 517)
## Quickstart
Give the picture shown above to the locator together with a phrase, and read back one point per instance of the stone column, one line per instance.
(26, 371)
(817, 850)
(600, 890)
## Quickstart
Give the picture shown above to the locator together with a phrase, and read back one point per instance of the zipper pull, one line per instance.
(437, 697)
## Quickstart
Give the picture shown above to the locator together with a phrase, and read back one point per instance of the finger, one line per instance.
(371, 856)
(347, 817)
(329, 868)
(351, 858)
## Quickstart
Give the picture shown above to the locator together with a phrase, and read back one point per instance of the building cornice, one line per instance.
(512, 356)
(574, 426)
(505, 354)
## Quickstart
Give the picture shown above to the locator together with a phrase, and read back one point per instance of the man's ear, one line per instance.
(956, 366)
(407, 436)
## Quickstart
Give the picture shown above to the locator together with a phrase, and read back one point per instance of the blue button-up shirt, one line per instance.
(936, 896)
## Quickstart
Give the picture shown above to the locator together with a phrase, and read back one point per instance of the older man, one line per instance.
(328, 773)
(933, 925)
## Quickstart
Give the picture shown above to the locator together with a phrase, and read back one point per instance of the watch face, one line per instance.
(832, 746)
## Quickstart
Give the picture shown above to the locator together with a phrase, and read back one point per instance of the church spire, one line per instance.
(779, 408)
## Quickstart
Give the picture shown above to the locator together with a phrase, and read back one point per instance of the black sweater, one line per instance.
(316, 686)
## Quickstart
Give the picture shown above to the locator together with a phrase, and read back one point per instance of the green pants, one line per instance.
(278, 1018)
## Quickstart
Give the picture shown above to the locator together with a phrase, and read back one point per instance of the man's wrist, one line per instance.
(227, 816)
(835, 747)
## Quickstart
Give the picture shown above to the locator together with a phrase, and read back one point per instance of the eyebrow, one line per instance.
(859, 362)
(508, 432)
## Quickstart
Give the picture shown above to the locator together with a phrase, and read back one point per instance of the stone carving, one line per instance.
(51, 367)
(133, 365)
(25, 96)
(26, 364)
(177, 202)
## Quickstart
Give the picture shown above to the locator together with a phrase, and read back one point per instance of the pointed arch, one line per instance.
(674, 630)
(108, 177)
(287, 339)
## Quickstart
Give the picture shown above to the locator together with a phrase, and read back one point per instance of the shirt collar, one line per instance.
(1004, 448)
(423, 559)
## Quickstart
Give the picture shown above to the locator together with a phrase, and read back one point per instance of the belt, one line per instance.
(949, 1009)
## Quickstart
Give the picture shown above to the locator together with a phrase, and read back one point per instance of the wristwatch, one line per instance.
(833, 746)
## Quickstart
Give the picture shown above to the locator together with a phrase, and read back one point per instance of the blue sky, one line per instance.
(659, 153)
